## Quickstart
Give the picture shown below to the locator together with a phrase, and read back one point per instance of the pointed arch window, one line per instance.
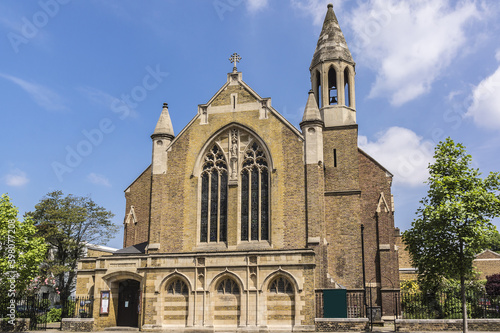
(281, 285)
(177, 287)
(228, 287)
(346, 87)
(332, 87)
(254, 195)
(318, 89)
(214, 182)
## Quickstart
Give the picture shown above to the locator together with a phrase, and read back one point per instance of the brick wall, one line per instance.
(341, 325)
(138, 195)
(381, 256)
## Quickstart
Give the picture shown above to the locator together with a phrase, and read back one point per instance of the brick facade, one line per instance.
(320, 190)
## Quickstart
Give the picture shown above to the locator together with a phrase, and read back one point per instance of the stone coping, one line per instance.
(342, 320)
(445, 321)
(240, 329)
(79, 320)
(205, 254)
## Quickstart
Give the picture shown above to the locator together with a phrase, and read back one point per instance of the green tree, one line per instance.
(493, 241)
(453, 221)
(68, 223)
(21, 252)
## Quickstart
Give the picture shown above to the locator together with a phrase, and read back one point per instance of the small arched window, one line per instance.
(177, 287)
(346, 87)
(228, 287)
(332, 87)
(254, 194)
(281, 285)
(318, 89)
(214, 179)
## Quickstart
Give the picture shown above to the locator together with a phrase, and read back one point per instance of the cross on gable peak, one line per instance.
(234, 58)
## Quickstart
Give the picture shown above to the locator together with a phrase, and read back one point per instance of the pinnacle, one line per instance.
(164, 126)
(311, 112)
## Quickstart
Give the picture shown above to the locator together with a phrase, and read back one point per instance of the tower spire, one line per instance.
(332, 75)
(331, 43)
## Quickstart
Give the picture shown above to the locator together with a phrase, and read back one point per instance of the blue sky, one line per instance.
(83, 83)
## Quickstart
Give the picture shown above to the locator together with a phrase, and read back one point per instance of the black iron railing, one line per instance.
(448, 305)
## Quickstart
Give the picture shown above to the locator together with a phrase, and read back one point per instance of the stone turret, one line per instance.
(312, 128)
(162, 137)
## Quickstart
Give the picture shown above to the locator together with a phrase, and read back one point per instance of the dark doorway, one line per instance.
(128, 304)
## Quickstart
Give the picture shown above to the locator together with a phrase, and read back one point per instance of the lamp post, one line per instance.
(363, 265)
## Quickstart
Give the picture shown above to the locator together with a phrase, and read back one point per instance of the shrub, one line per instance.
(54, 315)
(493, 285)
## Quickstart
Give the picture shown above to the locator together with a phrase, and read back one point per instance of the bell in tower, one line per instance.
(332, 75)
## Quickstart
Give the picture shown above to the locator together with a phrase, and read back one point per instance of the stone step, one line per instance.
(122, 328)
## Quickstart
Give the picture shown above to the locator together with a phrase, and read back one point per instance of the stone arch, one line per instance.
(220, 276)
(167, 279)
(317, 86)
(122, 275)
(232, 140)
(280, 272)
(281, 305)
(333, 85)
(347, 95)
(125, 299)
(176, 307)
(209, 142)
(226, 301)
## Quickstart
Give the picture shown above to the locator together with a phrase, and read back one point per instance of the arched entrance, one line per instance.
(128, 303)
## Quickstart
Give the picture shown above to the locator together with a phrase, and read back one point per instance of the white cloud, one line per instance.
(409, 44)
(16, 178)
(43, 96)
(105, 100)
(485, 107)
(97, 179)
(256, 5)
(403, 153)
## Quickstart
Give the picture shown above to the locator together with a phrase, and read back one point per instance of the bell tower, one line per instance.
(332, 161)
(332, 75)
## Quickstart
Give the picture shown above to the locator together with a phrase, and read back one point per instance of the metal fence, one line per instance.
(442, 305)
(41, 311)
(356, 304)
(448, 305)
(34, 308)
(77, 307)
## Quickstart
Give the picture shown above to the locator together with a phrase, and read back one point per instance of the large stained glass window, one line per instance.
(214, 197)
(254, 195)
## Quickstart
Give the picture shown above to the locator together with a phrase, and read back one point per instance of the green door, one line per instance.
(335, 303)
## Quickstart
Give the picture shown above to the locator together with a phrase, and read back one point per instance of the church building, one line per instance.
(242, 220)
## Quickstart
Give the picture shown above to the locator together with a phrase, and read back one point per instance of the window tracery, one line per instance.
(229, 287)
(254, 194)
(234, 158)
(177, 287)
(281, 285)
(214, 180)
